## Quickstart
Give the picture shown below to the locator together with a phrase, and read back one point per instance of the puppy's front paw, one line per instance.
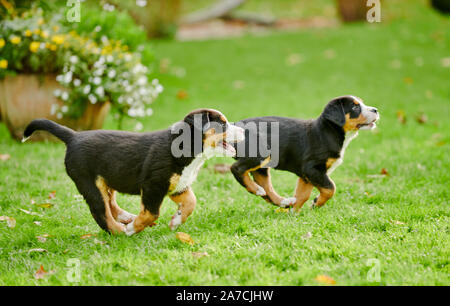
(125, 217)
(260, 191)
(175, 221)
(286, 202)
(129, 229)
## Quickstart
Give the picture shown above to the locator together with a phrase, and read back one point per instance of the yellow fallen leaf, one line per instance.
(325, 279)
(282, 210)
(44, 205)
(397, 222)
(52, 195)
(185, 238)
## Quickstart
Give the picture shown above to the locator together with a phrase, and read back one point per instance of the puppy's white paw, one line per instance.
(125, 217)
(175, 221)
(260, 191)
(286, 202)
(129, 229)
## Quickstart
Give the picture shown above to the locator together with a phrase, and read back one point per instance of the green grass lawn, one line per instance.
(401, 220)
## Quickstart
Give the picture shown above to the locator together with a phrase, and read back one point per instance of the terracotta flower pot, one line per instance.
(27, 97)
(352, 10)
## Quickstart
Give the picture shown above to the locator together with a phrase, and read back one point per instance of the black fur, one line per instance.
(131, 163)
(304, 145)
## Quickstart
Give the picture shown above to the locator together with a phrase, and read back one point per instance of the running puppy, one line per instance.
(312, 149)
(102, 162)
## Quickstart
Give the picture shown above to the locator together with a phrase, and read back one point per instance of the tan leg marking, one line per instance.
(302, 193)
(113, 226)
(186, 203)
(251, 186)
(118, 213)
(266, 183)
(325, 195)
(144, 219)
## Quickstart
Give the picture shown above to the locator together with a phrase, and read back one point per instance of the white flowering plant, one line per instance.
(89, 70)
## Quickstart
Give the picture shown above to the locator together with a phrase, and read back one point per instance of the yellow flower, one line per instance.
(15, 39)
(37, 31)
(56, 28)
(3, 64)
(34, 46)
(50, 46)
(44, 34)
(2, 42)
(58, 39)
(40, 21)
(28, 33)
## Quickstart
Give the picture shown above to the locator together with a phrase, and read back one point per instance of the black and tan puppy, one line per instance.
(102, 162)
(311, 149)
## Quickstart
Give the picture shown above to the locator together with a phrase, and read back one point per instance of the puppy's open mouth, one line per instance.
(227, 147)
(369, 125)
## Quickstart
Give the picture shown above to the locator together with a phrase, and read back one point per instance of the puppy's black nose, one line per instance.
(374, 110)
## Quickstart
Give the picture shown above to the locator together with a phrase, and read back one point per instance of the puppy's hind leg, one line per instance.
(96, 196)
(262, 177)
(118, 213)
(241, 170)
(186, 203)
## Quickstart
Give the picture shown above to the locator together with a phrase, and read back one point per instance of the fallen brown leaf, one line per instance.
(325, 279)
(40, 273)
(182, 94)
(384, 171)
(422, 118)
(200, 254)
(401, 117)
(52, 195)
(4, 157)
(221, 168)
(185, 238)
(87, 236)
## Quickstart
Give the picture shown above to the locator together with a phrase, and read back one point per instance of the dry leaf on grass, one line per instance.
(408, 80)
(96, 241)
(401, 117)
(185, 238)
(10, 221)
(222, 168)
(325, 279)
(384, 171)
(41, 273)
(422, 118)
(37, 223)
(182, 94)
(30, 212)
(87, 236)
(200, 254)
(44, 205)
(4, 157)
(52, 195)
(43, 237)
(281, 210)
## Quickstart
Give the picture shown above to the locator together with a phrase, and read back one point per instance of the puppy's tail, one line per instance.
(62, 132)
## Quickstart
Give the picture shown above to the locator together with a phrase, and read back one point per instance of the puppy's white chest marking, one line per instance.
(189, 174)
(348, 137)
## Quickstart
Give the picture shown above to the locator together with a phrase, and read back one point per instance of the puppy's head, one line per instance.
(350, 113)
(217, 133)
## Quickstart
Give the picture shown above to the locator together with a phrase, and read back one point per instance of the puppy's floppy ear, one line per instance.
(197, 118)
(334, 112)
